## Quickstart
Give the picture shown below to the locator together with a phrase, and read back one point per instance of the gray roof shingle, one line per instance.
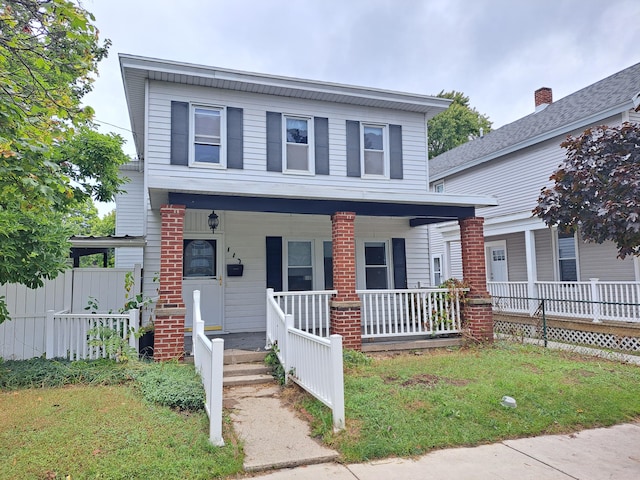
(606, 97)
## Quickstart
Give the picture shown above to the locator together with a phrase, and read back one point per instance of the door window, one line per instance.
(199, 258)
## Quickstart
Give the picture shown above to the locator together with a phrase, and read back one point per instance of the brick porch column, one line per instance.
(170, 310)
(477, 311)
(345, 305)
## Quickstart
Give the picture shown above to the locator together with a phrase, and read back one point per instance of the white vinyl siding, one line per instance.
(244, 237)
(163, 175)
(130, 213)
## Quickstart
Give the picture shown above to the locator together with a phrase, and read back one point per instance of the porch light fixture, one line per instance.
(214, 221)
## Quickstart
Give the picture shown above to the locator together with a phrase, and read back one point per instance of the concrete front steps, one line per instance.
(243, 367)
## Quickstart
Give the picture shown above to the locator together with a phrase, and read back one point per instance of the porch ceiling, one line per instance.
(423, 213)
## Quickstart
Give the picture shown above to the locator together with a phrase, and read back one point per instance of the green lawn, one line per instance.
(104, 431)
(410, 404)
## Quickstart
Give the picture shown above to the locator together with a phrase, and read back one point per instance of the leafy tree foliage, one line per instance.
(597, 188)
(455, 125)
(50, 159)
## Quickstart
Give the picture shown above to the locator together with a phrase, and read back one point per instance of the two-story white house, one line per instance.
(247, 181)
(525, 258)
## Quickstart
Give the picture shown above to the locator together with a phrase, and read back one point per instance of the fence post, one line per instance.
(284, 350)
(337, 376)
(50, 335)
(215, 397)
(595, 298)
(134, 324)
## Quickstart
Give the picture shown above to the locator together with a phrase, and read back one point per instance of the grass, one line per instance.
(409, 404)
(100, 426)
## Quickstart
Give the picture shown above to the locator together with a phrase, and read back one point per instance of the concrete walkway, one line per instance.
(601, 453)
(273, 436)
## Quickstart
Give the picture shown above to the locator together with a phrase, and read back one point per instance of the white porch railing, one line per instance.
(510, 296)
(67, 334)
(310, 310)
(208, 357)
(593, 300)
(434, 311)
(313, 362)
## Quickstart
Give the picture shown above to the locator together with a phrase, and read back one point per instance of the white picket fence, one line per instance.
(24, 336)
(72, 336)
(313, 362)
(208, 357)
(406, 312)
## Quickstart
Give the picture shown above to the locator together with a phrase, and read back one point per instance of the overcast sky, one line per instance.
(495, 51)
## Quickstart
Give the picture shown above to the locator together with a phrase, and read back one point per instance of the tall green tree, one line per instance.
(456, 125)
(49, 52)
(597, 188)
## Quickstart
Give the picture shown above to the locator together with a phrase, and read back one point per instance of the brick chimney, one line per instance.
(543, 97)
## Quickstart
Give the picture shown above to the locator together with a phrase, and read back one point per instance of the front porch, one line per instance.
(297, 247)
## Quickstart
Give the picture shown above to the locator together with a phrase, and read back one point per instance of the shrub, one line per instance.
(171, 384)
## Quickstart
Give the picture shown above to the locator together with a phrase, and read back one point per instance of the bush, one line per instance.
(171, 384)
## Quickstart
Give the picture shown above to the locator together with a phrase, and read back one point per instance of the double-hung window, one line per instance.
(567, 259)
(298, 155)
(208, 132)
(376, 268)
(299, 265)
(375, 153)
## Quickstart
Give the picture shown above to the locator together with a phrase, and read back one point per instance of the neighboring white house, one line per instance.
(513, 163)
(275, 158)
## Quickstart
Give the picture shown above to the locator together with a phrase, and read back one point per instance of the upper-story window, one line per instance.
(208, 127)
(374, 150)
(298, 155)
(438, 187)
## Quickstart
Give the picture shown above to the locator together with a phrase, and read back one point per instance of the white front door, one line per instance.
(497, 263)
(202, 270)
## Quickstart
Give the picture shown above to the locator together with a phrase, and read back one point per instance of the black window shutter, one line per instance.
(395, 151)
(321, 134)
(274, 142)
(274, 263)
(353, 148)
(235, 147)
(179, 133)
(399, 263)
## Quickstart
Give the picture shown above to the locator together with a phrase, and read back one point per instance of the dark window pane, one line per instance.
(328, 265)
(297, 131)
(373, 138)
(300, 279)
(376, 277)
(374, 254)
(207, 153)
(568, 271)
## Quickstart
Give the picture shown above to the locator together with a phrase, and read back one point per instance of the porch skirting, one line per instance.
(610, 335)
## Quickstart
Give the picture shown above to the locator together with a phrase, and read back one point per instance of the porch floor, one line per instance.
(250, 341)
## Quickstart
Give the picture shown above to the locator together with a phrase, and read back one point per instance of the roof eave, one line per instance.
(534, 140)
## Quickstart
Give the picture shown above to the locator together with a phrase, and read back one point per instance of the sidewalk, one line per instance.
(601, 453)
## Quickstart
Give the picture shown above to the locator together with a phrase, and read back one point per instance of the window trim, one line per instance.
(317, 261)
(192, 136)
(556, 256)
(438, 187)
(385, 151)
(361, 273)
(310, 145)
(440, 257)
